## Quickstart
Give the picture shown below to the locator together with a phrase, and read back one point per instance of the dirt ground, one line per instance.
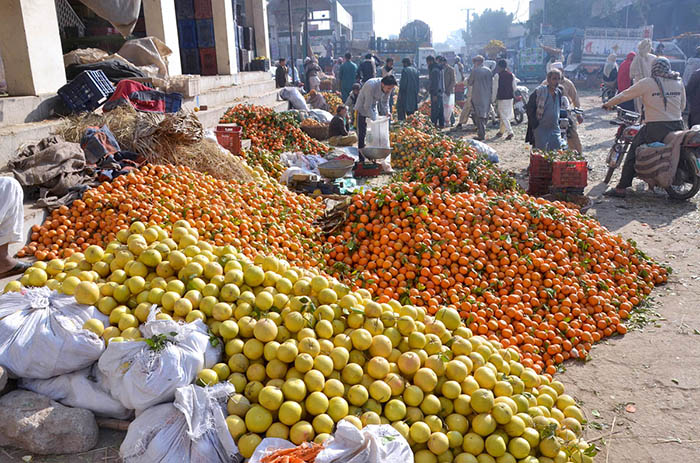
(640, 392)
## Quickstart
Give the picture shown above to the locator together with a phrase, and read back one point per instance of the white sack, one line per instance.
(85, 388)
(373, 444)
(147, 51)
(140, 377)
(293, 95)
(321, 115)
(122, 14)
(42, 335)
(191, 429)
(267, 446)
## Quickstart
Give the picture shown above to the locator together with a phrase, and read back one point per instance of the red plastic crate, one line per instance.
(538, 186)
(569, 174)
(540, 167)
(229, 136)
(207, 58)
(202, 9)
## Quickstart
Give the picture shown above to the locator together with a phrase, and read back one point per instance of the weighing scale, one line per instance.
(370, 167)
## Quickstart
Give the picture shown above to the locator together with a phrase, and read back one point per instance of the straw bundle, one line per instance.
(162, 138)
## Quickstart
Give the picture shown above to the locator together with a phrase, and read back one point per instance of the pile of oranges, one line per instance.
(527, 272)
(407, 144)
(424, 109)
(257, 217)
(271, 130)
(438, 160)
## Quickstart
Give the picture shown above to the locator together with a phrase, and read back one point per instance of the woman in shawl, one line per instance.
(610, 71)
(624, 81)
(663, 96)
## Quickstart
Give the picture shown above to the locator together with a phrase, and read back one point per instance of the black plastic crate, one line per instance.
(205, 33)
(260, 65)
(184, 9)
(249, 38)
(189, 59)
(87, 92)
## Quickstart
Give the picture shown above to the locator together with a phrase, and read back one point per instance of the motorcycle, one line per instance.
(686, 181)
(566, 115)
(628, 125)
(521, 96)
(607, 92)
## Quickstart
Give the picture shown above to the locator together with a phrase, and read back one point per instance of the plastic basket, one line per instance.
(189, 58)
(317, 132)
(205, 33)
(569, 174)
(87, 91)
(207, 57)
(229, 136)
(184, 9)
(260, 65)
(540, 166)
(187, 33)
(203, 9)
(539, 186)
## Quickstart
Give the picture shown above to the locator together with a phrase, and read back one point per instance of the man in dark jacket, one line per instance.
(436, 88)
(339, 129)
(367, 69)
(692, 93)
(281, 73)
(407, 103)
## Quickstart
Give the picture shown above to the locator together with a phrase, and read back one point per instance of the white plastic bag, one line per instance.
(321, 115)
(122, 14)
(378, 133)
(484, 149)
(140, 376)
(83, 389)
(42, 335)
(373, 444)
(191, 429)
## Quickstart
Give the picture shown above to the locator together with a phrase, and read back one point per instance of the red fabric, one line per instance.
(623, 73)
(124, 92)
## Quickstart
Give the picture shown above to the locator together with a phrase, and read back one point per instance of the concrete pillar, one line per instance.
(256, 15)
(225, 35)
(161, 23)
(30, 46)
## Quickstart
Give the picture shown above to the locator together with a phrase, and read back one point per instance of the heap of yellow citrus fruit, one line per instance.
(306, 352)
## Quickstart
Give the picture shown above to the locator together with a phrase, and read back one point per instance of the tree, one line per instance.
(491, 24)
(561, 14)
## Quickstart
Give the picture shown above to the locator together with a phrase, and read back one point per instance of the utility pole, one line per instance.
(306, 27)
(469, 24)
(291, 41)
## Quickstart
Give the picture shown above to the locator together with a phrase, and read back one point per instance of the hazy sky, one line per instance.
(443, 16)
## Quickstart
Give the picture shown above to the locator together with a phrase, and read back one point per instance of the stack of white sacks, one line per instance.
(42, 343)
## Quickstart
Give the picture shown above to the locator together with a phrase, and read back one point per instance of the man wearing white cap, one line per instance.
(571, 94)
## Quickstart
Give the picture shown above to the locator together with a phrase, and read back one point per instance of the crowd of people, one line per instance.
(368, 91)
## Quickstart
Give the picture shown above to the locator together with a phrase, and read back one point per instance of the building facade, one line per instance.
(362, 12)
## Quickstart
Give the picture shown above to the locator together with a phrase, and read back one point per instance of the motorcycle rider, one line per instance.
(663, 97)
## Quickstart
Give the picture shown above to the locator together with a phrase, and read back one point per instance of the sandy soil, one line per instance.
(640, 392)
